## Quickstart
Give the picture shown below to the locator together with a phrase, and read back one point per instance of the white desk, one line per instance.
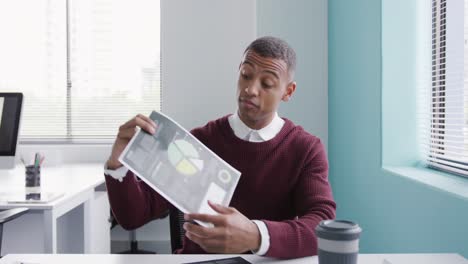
(170, 259)
(79, 183)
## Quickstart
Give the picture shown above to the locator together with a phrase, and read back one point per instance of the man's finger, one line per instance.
(219, 208)
(214, 219)
(126, 133)
(128, 124)
(201, 231)
(141, 121)
(147, 119)
(148, 126)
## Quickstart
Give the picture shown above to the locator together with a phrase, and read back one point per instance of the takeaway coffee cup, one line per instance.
(338, 241)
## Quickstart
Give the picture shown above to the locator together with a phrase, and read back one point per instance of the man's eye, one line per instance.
(246, 76)
(266, 85)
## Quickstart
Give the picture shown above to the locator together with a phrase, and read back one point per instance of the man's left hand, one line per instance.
(233, 233)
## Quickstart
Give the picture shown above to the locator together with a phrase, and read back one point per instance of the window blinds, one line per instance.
(84, 66)
(445, 107)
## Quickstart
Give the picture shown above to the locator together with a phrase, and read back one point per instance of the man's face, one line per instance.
(263, 83)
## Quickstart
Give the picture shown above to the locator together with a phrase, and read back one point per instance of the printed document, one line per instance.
(179, 167)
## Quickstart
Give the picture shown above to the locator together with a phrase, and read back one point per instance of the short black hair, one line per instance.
(275, 48)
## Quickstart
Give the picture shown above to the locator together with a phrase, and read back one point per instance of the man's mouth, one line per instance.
(248, 102)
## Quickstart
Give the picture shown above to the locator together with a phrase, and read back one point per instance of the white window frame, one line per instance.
(445, 129)
(68, 117)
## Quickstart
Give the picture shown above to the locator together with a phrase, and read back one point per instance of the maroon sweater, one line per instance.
(284, 182)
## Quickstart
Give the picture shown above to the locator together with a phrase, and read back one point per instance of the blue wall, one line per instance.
(397, 214)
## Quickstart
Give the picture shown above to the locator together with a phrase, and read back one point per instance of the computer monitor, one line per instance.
(10, 115)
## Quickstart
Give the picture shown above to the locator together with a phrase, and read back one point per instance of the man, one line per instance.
(284, 183)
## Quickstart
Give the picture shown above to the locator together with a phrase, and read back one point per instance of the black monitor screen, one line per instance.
(10, 113)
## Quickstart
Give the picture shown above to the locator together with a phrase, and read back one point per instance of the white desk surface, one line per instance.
(71, 179)
(78, 183)
(172, 259)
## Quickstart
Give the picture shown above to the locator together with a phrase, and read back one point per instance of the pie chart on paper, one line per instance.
(184, 157)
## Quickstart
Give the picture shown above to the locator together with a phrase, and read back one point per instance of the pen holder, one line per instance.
(33, 179)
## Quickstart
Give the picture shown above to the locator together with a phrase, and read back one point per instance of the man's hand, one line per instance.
(126, 132)
(232, 233)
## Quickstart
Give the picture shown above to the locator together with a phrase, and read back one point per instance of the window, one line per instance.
(445, 104)
(84, 66)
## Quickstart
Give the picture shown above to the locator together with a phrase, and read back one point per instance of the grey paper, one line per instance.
(179, 167)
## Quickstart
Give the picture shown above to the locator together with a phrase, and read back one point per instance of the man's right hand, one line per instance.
(126, 132)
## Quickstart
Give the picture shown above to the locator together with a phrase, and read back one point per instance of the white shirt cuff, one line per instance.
(264, 238)
(117, 174)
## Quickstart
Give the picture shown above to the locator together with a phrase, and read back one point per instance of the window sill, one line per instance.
(455, 185)
(57, 154)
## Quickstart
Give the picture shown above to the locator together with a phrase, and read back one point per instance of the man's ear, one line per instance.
(290, 89)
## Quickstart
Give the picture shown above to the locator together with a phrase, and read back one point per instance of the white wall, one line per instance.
(202, 45)
(303, 24)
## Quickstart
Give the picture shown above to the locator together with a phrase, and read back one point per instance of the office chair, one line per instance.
(176, 221)
(133, 241)
(8, 215)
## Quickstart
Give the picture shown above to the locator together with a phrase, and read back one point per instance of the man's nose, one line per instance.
(252, 89)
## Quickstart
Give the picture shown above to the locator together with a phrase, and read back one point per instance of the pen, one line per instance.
(36, 160)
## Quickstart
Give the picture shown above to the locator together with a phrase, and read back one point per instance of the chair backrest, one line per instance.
(8, 215)
(176, 220)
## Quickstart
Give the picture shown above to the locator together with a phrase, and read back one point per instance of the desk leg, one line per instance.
(50, 232)
(96, 224)
(87, 215)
